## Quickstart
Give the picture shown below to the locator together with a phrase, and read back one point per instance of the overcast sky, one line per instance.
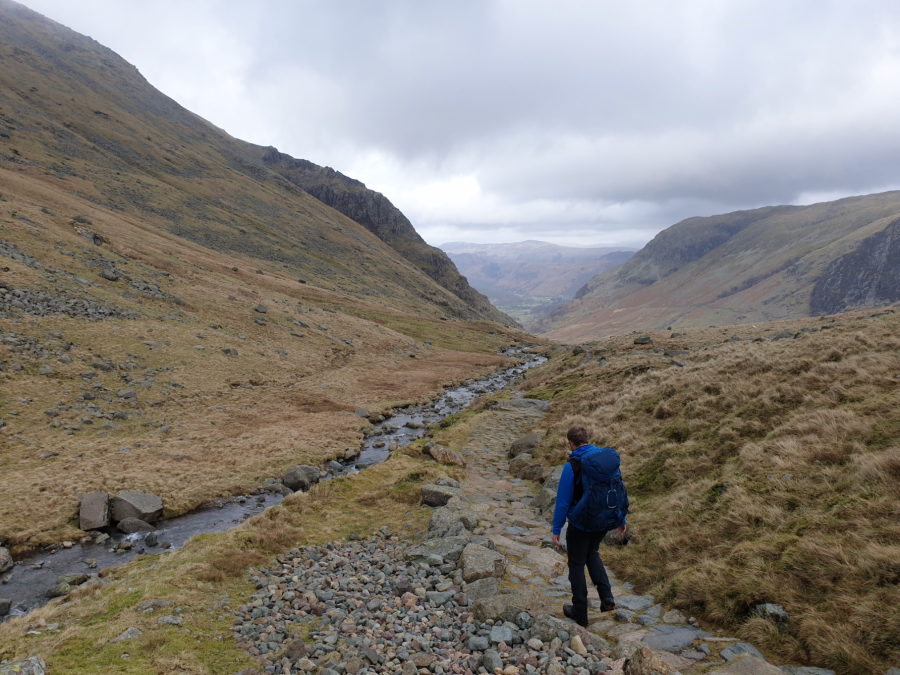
(577, 122)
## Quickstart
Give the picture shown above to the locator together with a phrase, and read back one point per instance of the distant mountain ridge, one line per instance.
(525, 279)
(771, 263)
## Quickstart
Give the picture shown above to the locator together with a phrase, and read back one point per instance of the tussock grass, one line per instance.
(759, 472)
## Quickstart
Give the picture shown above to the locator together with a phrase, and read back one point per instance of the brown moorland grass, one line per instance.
(209, 424)
(759, 472)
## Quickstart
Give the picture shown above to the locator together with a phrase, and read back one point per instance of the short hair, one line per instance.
(578, 435)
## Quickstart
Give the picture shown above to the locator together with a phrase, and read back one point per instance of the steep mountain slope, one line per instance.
(75, 115)
(375, 212)
(175, 317)
(772, 263)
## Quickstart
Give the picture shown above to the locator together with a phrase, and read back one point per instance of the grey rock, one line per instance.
(772, 611)
(6, 561)
(737, 649)
(525, 444)
(129, 634)
(547, 626)
(624, 615)
(500, 633)
(94, 511)
(262, 309)
(133, 504)
(132, 525)
(59, 590)
(447, 482)
(439, 495)
(5, 606)
(362, 412)
(478, 643)
(491, 661)
(72, 579)
(169, 621)
(483, 588)
(449, 548)
(301, 477)
(439, 597)
(643, 340)
(672, 638)
(31, 666)
(674, 616)
(635, 603)
(479, 562)
(126, 393)
(230, 351)
(645, 620)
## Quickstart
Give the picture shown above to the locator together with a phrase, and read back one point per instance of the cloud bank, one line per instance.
(574, 121)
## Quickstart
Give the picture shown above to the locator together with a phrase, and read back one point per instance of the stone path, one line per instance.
(482, 593)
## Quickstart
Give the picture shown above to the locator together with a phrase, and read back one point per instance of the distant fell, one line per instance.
(777, 262)
(525, 279)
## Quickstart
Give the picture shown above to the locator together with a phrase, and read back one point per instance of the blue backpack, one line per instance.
(604, 501)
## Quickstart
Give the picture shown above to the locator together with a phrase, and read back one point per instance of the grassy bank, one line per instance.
(208, 578)
(760, 470)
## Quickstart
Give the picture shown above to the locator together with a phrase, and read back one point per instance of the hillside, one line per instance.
(176, 317)
(526, 279)
(762, 464)
(773, 263)
(76, 116)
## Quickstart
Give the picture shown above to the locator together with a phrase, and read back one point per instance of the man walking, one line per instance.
(592, 497)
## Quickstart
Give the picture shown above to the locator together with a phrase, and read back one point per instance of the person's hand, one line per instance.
(556, 540)
(621, 529)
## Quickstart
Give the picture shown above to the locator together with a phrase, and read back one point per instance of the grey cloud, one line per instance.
(616, 117)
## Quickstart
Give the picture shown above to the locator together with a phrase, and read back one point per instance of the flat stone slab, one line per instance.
(673, 638)
(448, 548)
(32, 666)
(636, 603)
(739, 649)
(749, 665)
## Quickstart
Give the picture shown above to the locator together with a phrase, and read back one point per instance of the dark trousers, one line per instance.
(583, 549)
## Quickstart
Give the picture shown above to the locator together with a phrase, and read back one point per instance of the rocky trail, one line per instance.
(482, 593)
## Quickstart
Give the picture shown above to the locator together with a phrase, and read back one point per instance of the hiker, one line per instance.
(592, 497)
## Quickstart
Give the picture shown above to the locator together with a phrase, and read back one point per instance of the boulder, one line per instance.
(301, 477)
(547, 626)
(59, 590)
(5, 606)
(547, 496)
(526, 443)
(479, 562)
(6, 561)
(362, 412)
(519, 463)
(31, 666)
(75, 579)
(643, 340)
(94, 511)
(134, 504)
(439, 495)
(132, 525)
(645, 662)
(443, 455)
(536, 472)
(448, 548)
(449, 522)
(674, 616)
(129, 634)
(483, 588)
(448, 482)
(774, 613)
(495, 607)
(545, 562)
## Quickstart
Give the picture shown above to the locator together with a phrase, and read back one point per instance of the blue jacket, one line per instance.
(566, 490)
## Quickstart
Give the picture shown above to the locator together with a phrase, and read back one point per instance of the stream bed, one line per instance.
(26, 585)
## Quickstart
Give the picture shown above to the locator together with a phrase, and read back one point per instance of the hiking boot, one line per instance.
(569, 611)
(607, 604)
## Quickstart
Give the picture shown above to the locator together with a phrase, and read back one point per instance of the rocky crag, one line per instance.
(481, 594)
(379, 216)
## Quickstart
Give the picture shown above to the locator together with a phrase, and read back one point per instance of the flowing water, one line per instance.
(27, 583)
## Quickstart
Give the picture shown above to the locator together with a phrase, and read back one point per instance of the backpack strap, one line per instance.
(578, 486)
